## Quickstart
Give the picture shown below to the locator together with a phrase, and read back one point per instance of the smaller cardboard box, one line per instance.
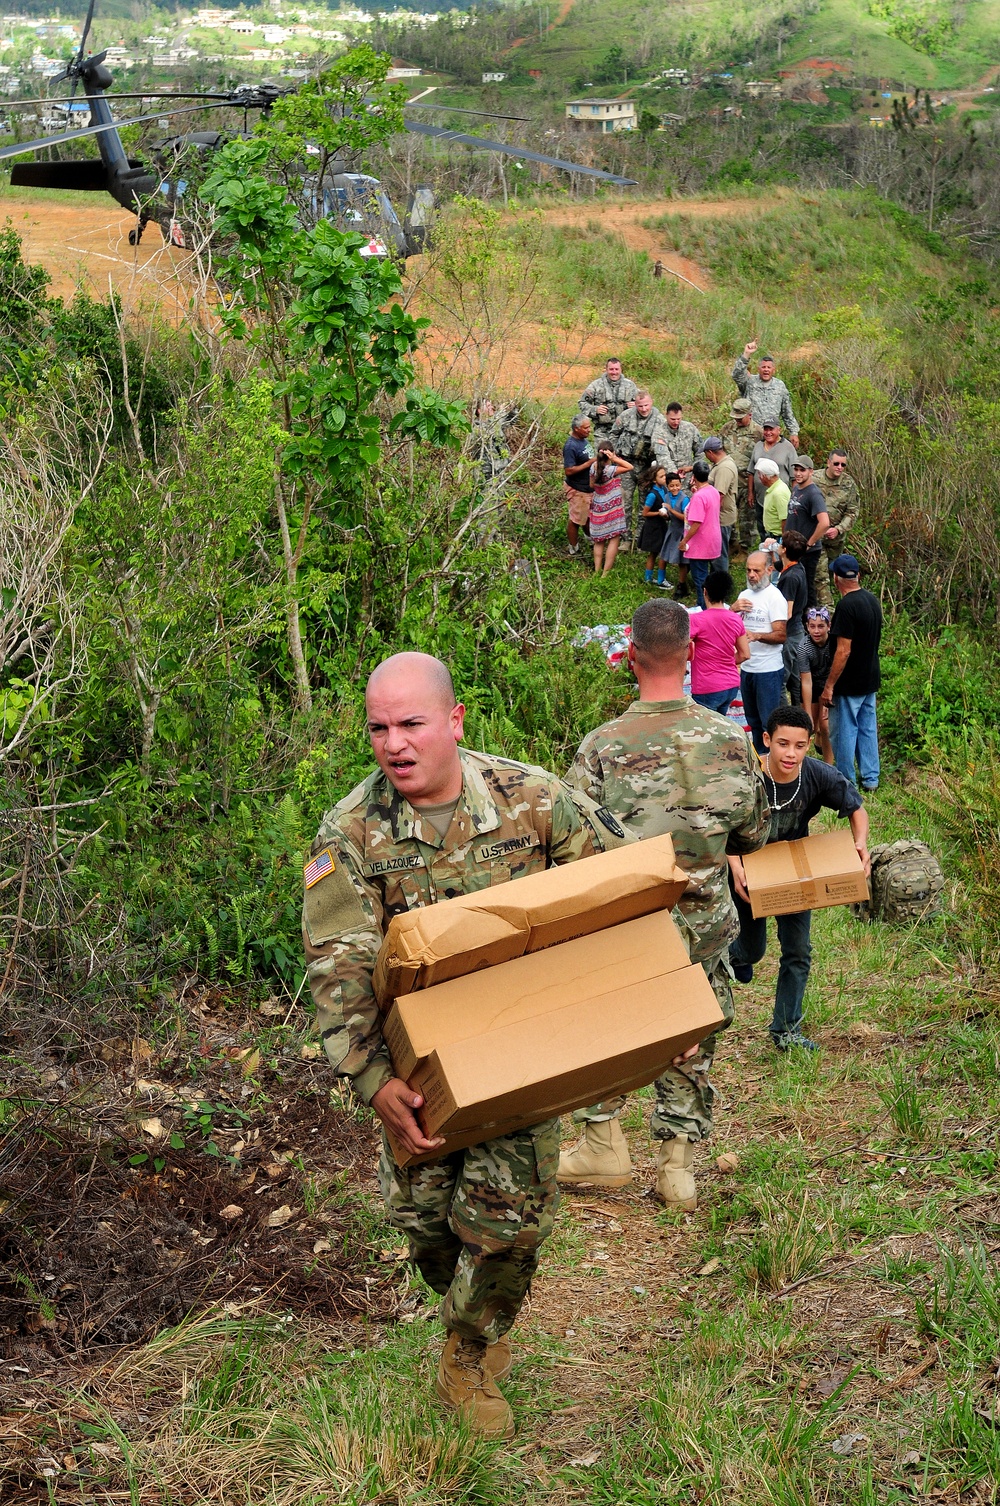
(459, 936)
(809, 874)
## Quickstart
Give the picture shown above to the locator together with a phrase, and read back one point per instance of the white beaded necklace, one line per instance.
(774, 785)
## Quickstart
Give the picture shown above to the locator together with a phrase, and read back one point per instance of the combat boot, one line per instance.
(499, 1360)
(675, 1184)
(599, 1156)
(465, 1384)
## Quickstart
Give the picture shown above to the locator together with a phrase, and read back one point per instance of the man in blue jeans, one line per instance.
(797, 787)
(765, 621)
(855, 675)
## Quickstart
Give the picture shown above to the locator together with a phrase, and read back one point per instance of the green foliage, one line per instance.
(926, 25)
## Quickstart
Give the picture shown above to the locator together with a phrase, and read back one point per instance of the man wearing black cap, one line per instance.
(807, 515)
(855, 675)
(725, 477)
(770, 399)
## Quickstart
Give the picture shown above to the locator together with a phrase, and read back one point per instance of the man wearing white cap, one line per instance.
(776, 498)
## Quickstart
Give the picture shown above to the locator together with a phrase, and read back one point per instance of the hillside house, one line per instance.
(764, 88)
(603, 115)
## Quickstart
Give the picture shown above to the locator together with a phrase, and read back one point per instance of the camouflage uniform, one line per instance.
(615, 396)
(643, 441)
(684, 444)
(475, 1220)
(841, 496)
(673, 766)
(770, 402)
(739, 443)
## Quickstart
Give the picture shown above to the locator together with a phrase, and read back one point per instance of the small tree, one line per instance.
(323, 320)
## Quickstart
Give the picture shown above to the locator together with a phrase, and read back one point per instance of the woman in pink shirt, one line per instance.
(702, 541)
(719, 646)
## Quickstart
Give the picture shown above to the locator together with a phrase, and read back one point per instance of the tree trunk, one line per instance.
(303, 691)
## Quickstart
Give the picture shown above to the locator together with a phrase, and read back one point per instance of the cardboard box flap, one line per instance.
(427, 946)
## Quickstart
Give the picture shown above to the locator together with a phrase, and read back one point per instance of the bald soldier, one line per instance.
(432, 821)
(669, 765)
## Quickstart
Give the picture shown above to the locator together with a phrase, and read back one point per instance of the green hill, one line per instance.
(927, 42)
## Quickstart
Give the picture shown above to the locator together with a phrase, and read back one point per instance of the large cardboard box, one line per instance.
(809, 874)
(547, 1033)
(637, 951)
(489, 1085)
(459, 936)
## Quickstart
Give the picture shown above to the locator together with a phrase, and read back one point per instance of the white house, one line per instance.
(494, 78)
(603, 115)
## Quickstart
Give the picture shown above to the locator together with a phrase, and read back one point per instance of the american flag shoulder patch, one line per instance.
(318, 868)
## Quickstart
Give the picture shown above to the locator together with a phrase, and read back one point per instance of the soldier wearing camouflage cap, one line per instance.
(770, 399)
(432, 821)
(607, 398)
(740, 434)
(842, 503)
(670, 765)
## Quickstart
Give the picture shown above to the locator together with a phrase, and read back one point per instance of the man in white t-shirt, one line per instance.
(765, 618)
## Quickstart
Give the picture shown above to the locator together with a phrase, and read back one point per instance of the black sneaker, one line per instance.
(791, 1039)
(743, 972)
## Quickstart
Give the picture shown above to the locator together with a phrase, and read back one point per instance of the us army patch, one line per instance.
(609, 820)
(393, 865)
(333, 907)
(318, 868)
(507, 846)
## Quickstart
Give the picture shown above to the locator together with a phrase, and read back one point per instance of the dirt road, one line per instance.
(87, 247)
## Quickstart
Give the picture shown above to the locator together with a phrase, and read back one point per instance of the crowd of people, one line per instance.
(435, 820)
(810, 632)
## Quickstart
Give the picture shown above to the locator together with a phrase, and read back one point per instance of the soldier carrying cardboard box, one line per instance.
(667, 765)
(434, 821)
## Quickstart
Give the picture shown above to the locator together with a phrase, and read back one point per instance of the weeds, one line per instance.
(786, 1248)
(906, 1104)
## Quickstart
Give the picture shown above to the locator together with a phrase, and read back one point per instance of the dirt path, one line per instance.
(87, 247)
(627, 220)
(564, 9)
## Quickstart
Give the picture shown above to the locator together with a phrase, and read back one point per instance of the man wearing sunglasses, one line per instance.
(807, 515)
(840, 492)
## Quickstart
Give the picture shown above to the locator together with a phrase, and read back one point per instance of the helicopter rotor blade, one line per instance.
(428, 104)
(84, 35)
(422, 128)
(115, 125)
(221, 99)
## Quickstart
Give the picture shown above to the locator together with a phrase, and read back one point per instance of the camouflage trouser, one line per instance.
(476, 1221)
(684, 1095)
(747, 524)
(631, 506)
(825, 591)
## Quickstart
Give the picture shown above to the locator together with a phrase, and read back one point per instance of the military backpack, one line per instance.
(906, 882)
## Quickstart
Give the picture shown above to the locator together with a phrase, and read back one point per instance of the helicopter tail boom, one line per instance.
(89, 176)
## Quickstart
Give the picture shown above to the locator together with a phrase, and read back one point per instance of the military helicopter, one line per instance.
(351, 198)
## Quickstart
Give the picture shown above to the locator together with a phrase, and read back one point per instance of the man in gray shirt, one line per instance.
(784, 455)
(770, 399)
